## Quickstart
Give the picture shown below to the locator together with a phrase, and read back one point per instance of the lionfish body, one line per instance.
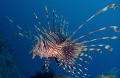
(58, 43)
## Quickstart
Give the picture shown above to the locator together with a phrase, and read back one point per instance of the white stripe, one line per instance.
(107, 46)
(114, 37)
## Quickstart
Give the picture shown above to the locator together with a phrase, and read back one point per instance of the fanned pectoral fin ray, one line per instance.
(104, 9)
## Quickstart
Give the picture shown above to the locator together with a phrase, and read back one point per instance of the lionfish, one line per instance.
(58, 45)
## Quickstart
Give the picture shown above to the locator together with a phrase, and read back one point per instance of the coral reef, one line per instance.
(8, 66)
(62, 76)
(114, 71)
(45, 74)
(107, 76)
(111, 74)
(50, 74)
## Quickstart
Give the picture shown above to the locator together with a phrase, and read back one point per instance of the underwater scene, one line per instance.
(59, 39)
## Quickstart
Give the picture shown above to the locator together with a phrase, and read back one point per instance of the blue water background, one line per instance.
(74, 11)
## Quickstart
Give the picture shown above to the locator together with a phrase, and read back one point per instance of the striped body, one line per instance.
(46, 46)
(59, 45)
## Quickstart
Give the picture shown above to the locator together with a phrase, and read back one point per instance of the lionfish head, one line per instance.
(44, 48)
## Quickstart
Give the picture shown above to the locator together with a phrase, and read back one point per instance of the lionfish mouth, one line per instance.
(59, 46)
